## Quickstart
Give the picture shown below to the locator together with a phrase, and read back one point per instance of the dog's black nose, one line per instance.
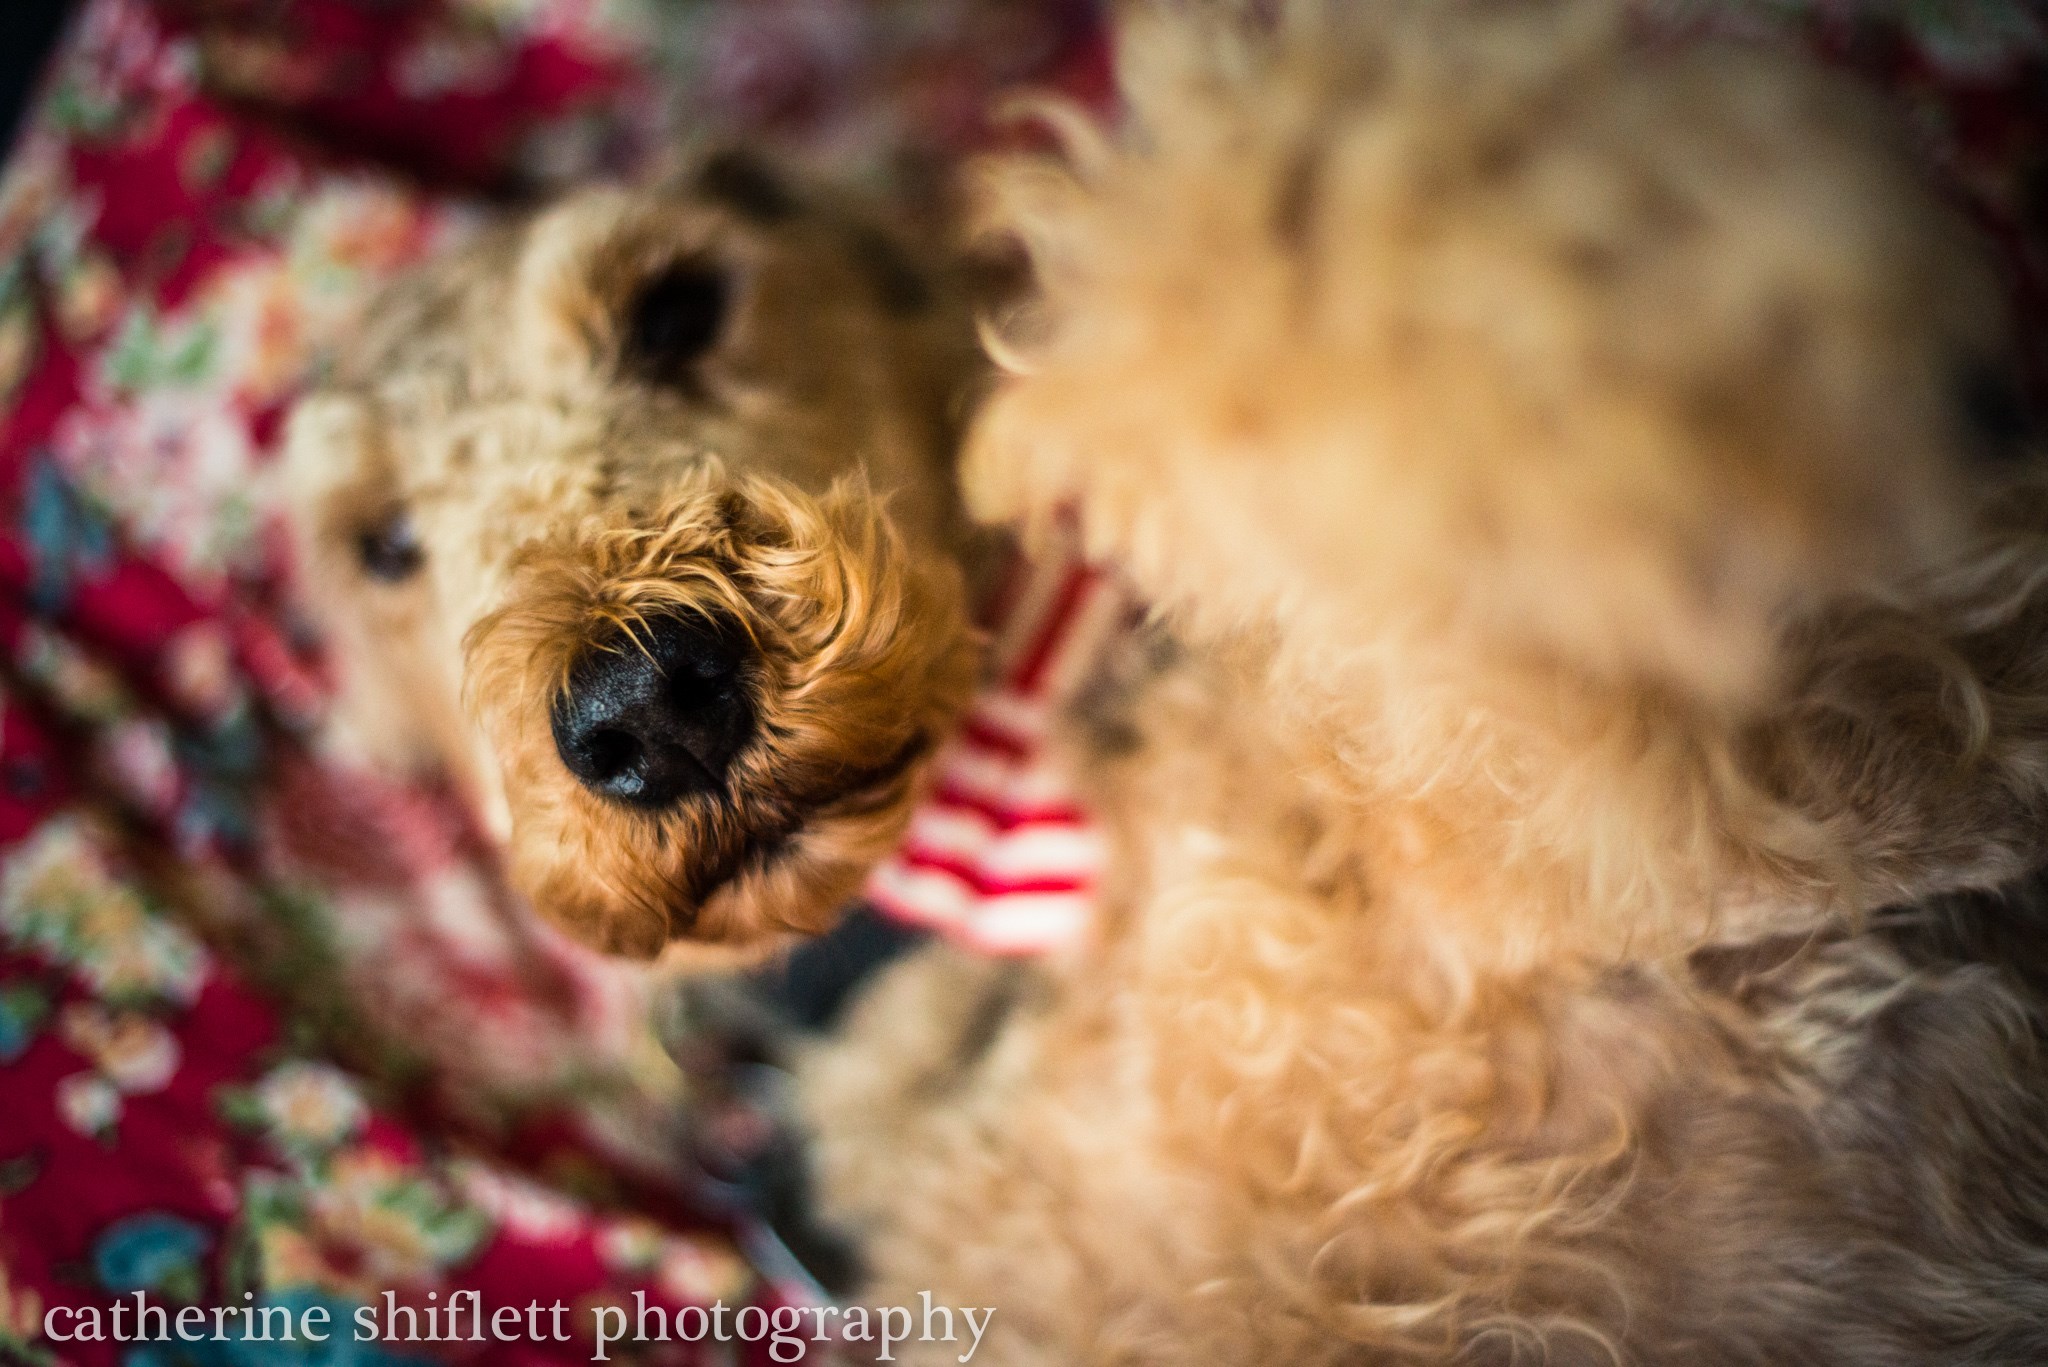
(653, 716)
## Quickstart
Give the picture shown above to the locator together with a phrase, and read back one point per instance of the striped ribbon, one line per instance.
(1001, 857)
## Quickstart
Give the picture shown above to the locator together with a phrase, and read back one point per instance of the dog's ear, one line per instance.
(611, 286)
(746, 183)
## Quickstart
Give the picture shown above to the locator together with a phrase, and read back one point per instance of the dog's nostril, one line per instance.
(611, 753)
(650, 718)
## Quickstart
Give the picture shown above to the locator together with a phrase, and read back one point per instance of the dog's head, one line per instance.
(636, 517)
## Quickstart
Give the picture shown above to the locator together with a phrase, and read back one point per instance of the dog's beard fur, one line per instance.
(498, 483)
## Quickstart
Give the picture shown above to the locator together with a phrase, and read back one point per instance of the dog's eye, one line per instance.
(1998, 427)
(675, 319)
(391, 550)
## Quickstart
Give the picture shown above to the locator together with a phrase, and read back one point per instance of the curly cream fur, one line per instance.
(1545, 382)
(1581, 611)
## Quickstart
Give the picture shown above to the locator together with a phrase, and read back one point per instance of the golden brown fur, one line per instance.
(1598, 687)
(793, 480)
(1585, 602)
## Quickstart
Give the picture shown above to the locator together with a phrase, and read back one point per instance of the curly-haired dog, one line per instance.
(1557, 831)
(636, 517)
(1557, 826)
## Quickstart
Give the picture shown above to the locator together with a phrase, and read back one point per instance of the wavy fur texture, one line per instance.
(1573, 823)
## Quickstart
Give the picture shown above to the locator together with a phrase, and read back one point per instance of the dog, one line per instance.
(1573, 817)
(635, 519)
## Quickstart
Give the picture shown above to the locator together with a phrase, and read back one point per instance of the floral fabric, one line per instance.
(272, 1031)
